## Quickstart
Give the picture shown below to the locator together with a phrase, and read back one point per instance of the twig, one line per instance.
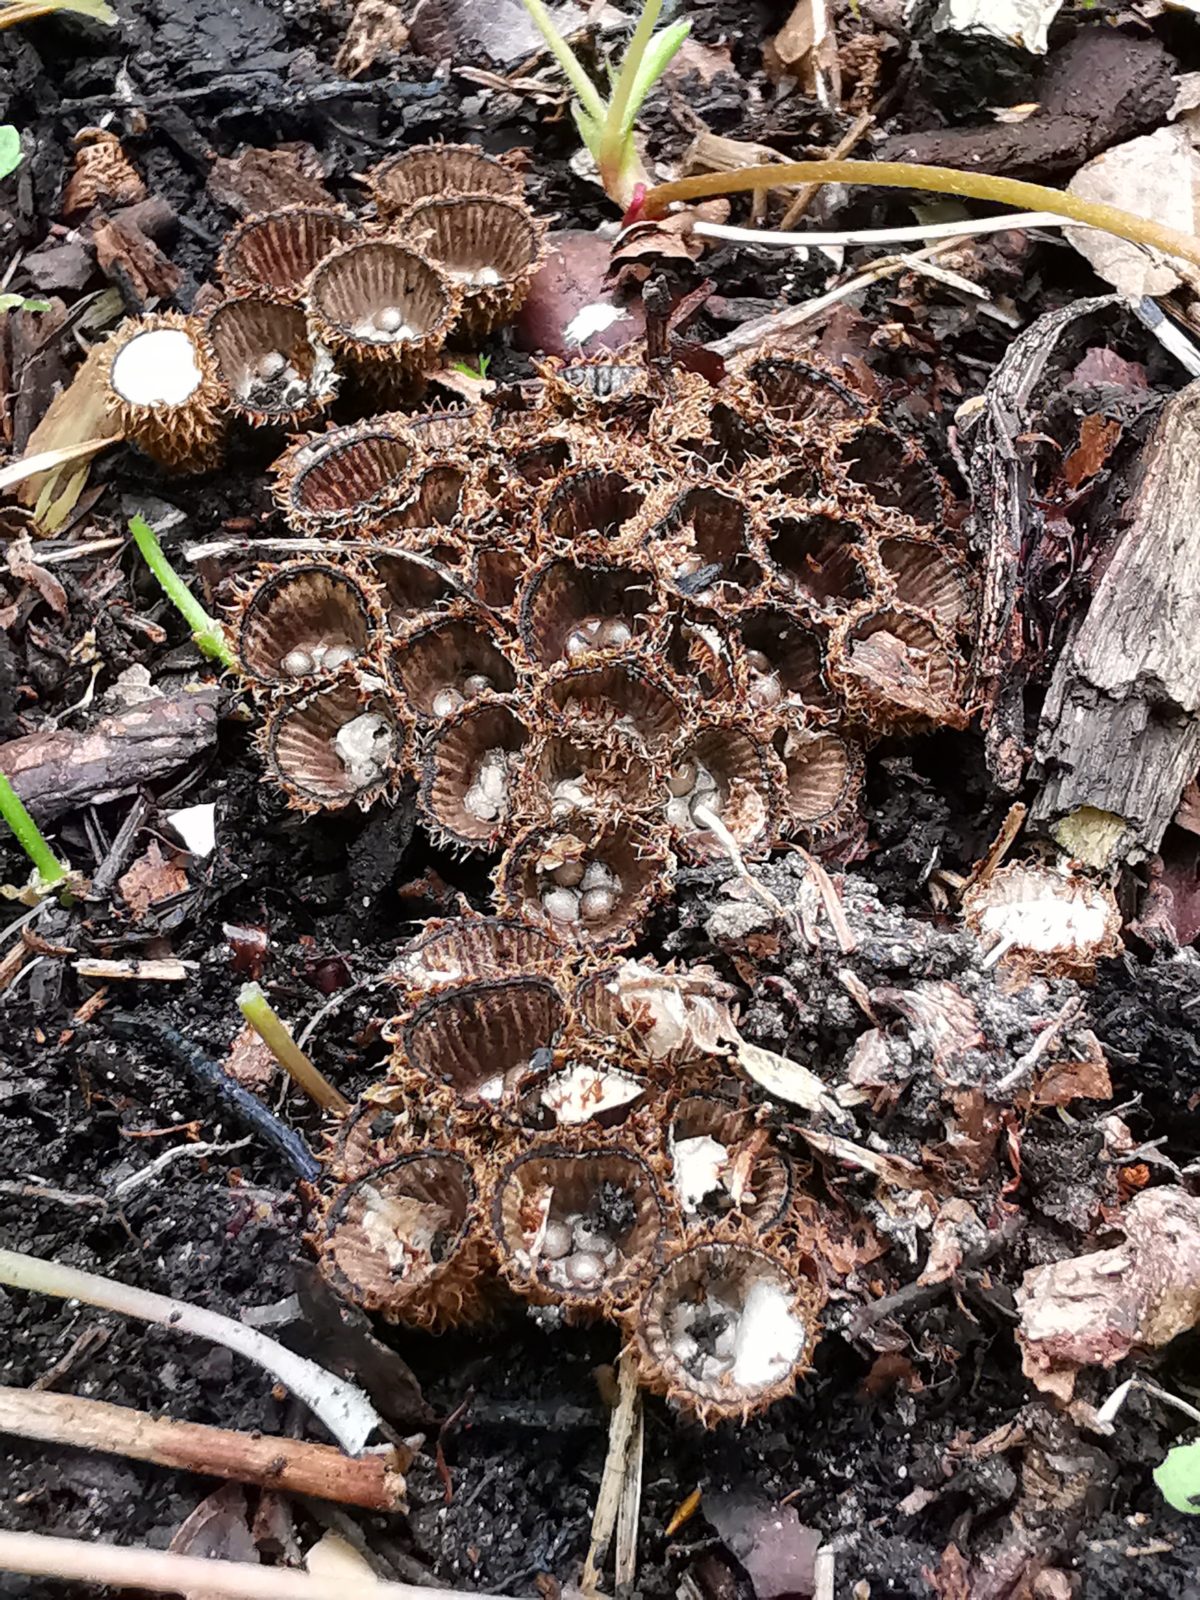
(120, 1192)
(999, 847)
(248, 1108)
(165, 969)
(1107, 1413)
(806, 195)
(914, 233)
(779, 323)
(40, 1555)
(372, 1481)
(623, 1430)
(344, 1410)
(1039, 1047)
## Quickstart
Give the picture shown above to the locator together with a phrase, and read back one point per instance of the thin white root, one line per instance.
(345, 1410)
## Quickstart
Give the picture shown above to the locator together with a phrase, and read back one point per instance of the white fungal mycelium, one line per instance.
(157, 368)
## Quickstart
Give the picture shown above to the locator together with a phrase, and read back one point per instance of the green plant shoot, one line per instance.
(18, 302)
(206, 631)
(10, 149)
(479, 370)
(1178, 1478)
(49, 868)
(606, 126)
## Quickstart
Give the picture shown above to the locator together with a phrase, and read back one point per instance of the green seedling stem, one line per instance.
(606, 126)
(273, 1031)
(940, 180)
(206, 631)
(28, 835)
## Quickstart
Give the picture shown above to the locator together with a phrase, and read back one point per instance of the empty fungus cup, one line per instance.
(427, 171)
(705, 551)
(483, 1040)
(621, 697)
(819, 561)
(798, 391)
(465, 949)
(343, 478)
(278, 250)
(823, 780)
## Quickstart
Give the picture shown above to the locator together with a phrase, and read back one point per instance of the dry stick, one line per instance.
(345, 1410)
(843, 147)
(287, 1464)
(939, 180)
(776, 324)
(38, 1555)
(623, 1434)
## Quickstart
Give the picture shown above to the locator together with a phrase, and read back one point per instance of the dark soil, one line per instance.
(82, 1109)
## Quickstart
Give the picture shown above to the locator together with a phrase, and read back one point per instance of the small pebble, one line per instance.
(477, 683)
(569, 875)
(556, 1241)
(297, 663)
(337, 656)
(271, 366)
(446, 702)
(561, 905)
(597, 904)
(389, 319)
(584, 1270)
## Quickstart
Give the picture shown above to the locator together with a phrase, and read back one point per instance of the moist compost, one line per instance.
(916, 1444)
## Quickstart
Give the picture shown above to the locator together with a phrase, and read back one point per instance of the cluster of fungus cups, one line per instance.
(313, 295)
(619, 621)
(534, 1143)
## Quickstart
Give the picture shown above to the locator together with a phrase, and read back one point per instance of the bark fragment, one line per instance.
(1120, 730)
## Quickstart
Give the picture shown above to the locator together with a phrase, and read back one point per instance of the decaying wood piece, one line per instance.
(54, 772)
(1120, 730)
(373, 1480)
(1002, 481)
